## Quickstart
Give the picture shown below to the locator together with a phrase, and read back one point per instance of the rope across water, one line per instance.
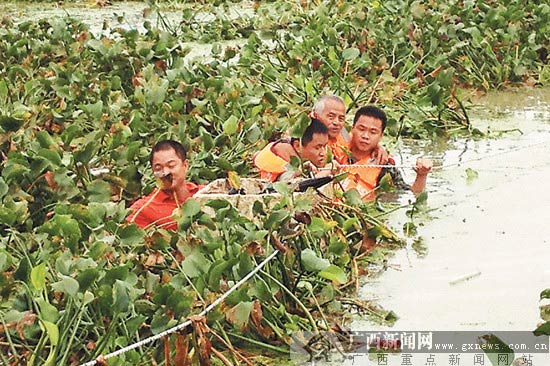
(444, 166)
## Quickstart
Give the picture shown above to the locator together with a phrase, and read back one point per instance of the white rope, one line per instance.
(188, 322)
(370, 166)
(444, 166)
(500, 153)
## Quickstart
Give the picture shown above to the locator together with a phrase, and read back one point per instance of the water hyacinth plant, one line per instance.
(79, 111)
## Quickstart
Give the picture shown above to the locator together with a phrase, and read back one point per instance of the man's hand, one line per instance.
(423, 166)
(380, 155)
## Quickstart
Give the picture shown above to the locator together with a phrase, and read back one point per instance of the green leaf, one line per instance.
(87, 277)
(22, 272)
(121, 299)
(99, 191)
(218, 203)
(3, 89)
(156, 94)
(69, 229)
(262, 291)
(421, 198)
(353, 197)
(391, 317)
(494, 348)
(131, 235)
(38, 276)
(320, 227)
(87, 298)
(191, 207)
(239, 314)
(312, 262)
(215, 274)
(334, 273)
(409, 229)
(350, 53)
(50, 156)
(195, 264)
(180, 302)
(471, 175)
(3, 188)
(5, 261)
(52, 331)
(86, 154)
(10, 124)
(337, 246)
(306, 285)
(230, 125)
(543, 329)
(48, 312)
(67, 285)
(545, 294)
(276, 219)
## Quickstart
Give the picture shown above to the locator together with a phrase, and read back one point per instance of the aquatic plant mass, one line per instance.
(80, 110)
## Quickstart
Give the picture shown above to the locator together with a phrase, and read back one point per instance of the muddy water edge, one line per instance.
(481, 255)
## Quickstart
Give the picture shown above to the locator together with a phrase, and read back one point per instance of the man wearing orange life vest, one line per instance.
(331, 110)
(367, 131)
(273, 160)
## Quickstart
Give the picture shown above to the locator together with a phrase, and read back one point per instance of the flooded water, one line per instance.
(486, 254)
(128, 15)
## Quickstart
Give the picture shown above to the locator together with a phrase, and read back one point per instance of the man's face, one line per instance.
(333, 116)
(169, 167)
(316, 150)
(366, 134)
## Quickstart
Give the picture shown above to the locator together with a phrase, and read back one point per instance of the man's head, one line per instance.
(330, 110)
(368, 128)
(313, 144)
(169, 162)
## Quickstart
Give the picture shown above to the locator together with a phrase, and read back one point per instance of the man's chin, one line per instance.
(167, 186)
(364, 148)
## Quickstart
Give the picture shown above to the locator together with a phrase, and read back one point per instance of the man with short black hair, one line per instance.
(331, 110)
(273, 160)
(368, 128)
(169, 163)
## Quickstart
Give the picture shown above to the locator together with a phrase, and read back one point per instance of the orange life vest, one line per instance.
(340, 149)
(363, 178)
(271, 165)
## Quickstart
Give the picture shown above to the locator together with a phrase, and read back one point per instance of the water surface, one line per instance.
(493, 230)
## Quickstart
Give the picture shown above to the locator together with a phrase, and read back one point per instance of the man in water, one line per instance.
(273, 160)
(169, 163)
(367, 132)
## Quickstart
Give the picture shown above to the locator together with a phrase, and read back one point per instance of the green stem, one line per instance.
(12, 345)
(105, 339)
(38, 348)
(73, 334)
(304, 308)
(260, 344)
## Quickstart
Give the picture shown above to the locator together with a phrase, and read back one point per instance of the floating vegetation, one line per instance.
(79, 112)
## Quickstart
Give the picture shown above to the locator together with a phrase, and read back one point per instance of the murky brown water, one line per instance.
(488, 244)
